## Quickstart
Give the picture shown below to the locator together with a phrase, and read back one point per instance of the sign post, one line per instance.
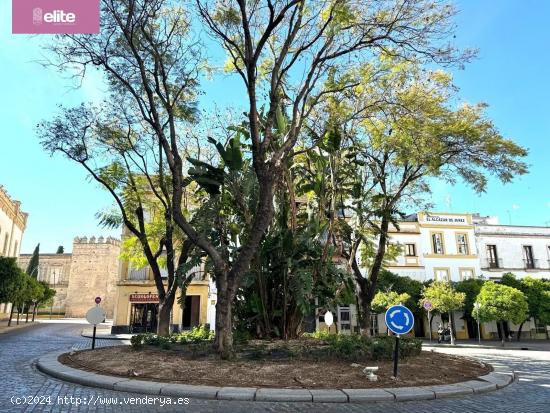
(428, 307)
(399, 320)
(95, 316)
(477, 306)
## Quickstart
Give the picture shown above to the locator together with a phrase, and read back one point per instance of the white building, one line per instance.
(454, 247)
(522, 250)
(438, 246)
(12, 226)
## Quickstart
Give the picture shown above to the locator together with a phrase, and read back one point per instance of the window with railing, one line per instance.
(138, 274)
(528, 258)
(345, 318)
(492, 256)
(437, 243)
(462, 244)
(410, 250)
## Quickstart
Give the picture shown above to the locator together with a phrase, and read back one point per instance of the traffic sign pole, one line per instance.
(93, 338)
(399, 320)
(396, 355)
(430, 327)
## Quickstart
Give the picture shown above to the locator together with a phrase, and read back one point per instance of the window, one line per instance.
(6, 243)
(442, 274)
(540, 328)
(345, 318)
(374, 325)
(528, 256)
(410, 250)
(492, 256)
(466, 273)
(437, 243)
(462, 244)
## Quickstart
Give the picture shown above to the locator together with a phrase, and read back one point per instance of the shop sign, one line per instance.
(144, 298)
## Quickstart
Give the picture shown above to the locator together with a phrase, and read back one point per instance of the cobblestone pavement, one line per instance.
(20, 379)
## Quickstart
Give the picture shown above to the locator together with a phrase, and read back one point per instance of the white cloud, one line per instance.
(515, 206)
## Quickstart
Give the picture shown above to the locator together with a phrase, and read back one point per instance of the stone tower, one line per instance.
(94, 272)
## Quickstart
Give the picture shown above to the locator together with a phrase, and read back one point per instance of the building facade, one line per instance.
(137, 302)
(455, 247)
(13, 222)
(90, 271)
(522, 250)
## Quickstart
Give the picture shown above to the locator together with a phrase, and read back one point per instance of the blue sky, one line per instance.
(511, 75)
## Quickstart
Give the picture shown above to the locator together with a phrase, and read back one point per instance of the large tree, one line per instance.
(150, 64)
(11, 282)
(292, 56)
(418, 135)
(444, 299)
(537, 293)
(500, 303)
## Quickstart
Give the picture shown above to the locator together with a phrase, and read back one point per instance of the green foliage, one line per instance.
(537, 294)
(384, 300)
(359, 347)
(11, 279)
(389, 281)
(32, 267)
(60, 250)
(443, 297)
(471, 288)
(500, 302)
(198, 334)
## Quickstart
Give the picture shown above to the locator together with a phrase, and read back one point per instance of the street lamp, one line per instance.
(477, 306)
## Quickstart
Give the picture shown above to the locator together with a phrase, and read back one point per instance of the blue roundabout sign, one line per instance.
(399, 319)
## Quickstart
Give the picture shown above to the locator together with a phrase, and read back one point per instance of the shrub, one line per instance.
(196, 335)
(356, 346)
(137, 341)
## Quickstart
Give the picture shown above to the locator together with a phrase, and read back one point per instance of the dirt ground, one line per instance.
(151, 363)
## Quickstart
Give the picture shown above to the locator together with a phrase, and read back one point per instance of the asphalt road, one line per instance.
(24, 389)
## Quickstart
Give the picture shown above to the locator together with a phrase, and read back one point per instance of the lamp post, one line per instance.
(477, 306)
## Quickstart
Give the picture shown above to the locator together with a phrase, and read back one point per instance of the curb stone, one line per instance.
(50, 365)
(328, 395)
(237, 393)
(369, 395)
(412, 393)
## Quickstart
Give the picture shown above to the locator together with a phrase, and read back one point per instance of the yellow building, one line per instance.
(13, 222)
(136, 304)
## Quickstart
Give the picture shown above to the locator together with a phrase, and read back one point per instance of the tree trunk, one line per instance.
(519, 330)
(365, 322)
(224, 325)
(452, 327)
(502, 332)
(368, 288)
(163, 318)
(11, 315)
(27, 313)
(430, 320)
(18, 314)
(34, 311)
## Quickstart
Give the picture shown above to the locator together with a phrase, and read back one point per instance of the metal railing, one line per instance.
(492, 264)
(530, 264)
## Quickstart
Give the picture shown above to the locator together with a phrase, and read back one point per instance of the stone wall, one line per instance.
(55, 269)
(94, 272)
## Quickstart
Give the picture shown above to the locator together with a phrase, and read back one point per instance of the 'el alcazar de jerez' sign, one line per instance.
(441, 219)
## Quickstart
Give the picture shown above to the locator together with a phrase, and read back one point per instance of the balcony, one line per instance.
(138, 274)
(492, 264)
(530, 264)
